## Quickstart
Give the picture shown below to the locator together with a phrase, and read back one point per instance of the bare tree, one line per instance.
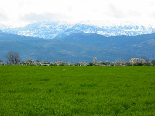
(13, 58)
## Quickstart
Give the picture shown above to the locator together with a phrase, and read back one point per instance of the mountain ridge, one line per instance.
(51, 30)
(78, 47)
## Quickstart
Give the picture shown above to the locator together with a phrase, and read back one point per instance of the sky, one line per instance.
(16, 13)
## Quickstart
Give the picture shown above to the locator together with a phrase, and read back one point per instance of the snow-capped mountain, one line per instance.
(43, 30)
(51, 30)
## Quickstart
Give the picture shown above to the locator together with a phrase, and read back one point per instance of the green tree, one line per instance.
(153, 62)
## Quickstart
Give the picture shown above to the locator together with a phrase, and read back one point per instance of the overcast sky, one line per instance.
(102, 12)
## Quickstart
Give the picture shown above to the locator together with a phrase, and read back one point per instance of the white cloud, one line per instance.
(2, 15)
(115, 11)
(41, 17)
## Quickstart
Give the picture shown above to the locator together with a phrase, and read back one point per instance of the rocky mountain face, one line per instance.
(51, 30)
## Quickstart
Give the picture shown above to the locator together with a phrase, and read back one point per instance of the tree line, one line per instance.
(13, 58)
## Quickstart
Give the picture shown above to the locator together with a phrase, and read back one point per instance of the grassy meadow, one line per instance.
(72, 90)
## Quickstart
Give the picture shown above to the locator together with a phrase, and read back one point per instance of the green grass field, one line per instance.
(65, 91)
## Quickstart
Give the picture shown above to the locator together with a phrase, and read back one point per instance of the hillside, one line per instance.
(79, 47)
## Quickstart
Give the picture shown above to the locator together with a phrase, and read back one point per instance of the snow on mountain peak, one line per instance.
(50, 30)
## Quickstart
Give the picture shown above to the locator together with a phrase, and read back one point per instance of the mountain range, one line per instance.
(78, 43)
(51, 30)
